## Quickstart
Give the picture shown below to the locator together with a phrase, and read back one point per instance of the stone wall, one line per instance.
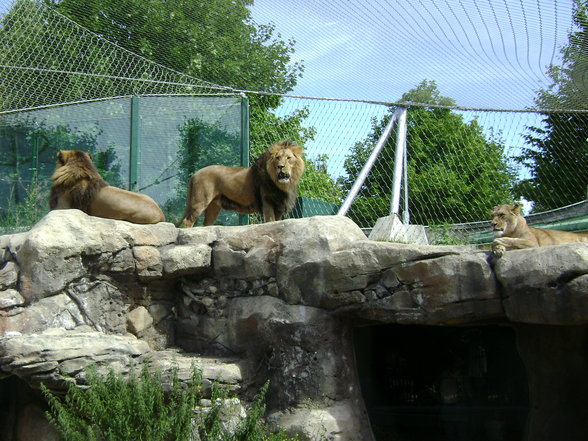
(275, 301)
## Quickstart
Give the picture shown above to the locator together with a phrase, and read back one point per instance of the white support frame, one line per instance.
(399, 165)
(399, 161)
(370, 161)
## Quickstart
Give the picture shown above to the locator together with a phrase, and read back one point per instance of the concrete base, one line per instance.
(391, 229)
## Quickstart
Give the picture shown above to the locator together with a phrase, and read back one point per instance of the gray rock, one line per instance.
(31, 354)
(547, 285)
(8, 275)
(148, 262)
(10, 298)
(185, 259)
(51, 254)
(138, 320)
(275, 301)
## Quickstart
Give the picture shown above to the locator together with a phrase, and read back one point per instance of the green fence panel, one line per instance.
(307, 207)
(151, 144)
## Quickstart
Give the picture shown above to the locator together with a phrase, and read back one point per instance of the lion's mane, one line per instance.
(281, 196)
(76, 176)
(77, 184)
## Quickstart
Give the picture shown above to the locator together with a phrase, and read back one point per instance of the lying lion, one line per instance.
(77, 184)
(268, 187)
(512, 232)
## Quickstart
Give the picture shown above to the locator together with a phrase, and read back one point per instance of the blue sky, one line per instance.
(490, 54)
(483, 53)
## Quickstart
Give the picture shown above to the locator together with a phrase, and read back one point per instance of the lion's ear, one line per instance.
(516, 209)
(60, 157)
(91, 157)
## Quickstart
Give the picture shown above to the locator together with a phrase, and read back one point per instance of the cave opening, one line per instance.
(437, 383)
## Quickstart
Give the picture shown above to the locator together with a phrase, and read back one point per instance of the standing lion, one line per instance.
(268, 187)
(77, 184)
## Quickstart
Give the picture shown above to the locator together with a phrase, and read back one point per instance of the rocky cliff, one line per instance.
(275, 301)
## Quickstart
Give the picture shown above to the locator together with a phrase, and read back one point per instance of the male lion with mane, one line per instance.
(77, 184)
(512, 232)
(269, 186)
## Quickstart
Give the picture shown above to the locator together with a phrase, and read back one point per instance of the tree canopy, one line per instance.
(455, 173)
(214, 42)
(557, 153)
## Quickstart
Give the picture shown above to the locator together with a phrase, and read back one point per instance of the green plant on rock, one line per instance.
(27, 212)
(114, 408)
(444, 234)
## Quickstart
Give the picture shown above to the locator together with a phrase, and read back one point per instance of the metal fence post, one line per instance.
(406, 212)
(135, 144)
(35, 159)
(244, 131)
(399, 161)
(368, 165)
(244, 218)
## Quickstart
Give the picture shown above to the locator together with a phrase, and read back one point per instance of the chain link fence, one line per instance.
(63, 85)
(149, 144)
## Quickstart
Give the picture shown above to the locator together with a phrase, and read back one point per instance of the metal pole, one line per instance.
(398, 161)
(35, 162)
(368, 165)
(135, 144)
(405, 213)
(244, 131)
(244, 218)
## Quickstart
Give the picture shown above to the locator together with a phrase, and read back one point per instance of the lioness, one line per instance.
(269, 186)
(512, 232)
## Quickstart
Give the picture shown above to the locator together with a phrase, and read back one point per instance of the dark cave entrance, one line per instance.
(433, 383)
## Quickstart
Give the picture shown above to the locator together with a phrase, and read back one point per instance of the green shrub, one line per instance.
(113, 408)
(443, 234)
(29, 211)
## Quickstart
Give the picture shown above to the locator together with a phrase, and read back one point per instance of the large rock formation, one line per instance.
(274, 301)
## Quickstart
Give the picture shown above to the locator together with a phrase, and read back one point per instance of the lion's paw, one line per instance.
(498, 249)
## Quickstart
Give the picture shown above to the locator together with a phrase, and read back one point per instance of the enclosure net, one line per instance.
(496, 93)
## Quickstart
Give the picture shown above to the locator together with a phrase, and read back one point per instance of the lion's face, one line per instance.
(285, 164)
(505, 219)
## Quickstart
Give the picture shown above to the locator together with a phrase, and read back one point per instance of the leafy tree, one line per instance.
(214, 41)
(316, 182)
(28, 161)
(32, 36)
(455, 174)
(557, 155)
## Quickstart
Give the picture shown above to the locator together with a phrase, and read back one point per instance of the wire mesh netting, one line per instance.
(496, 96)
(171, 136)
